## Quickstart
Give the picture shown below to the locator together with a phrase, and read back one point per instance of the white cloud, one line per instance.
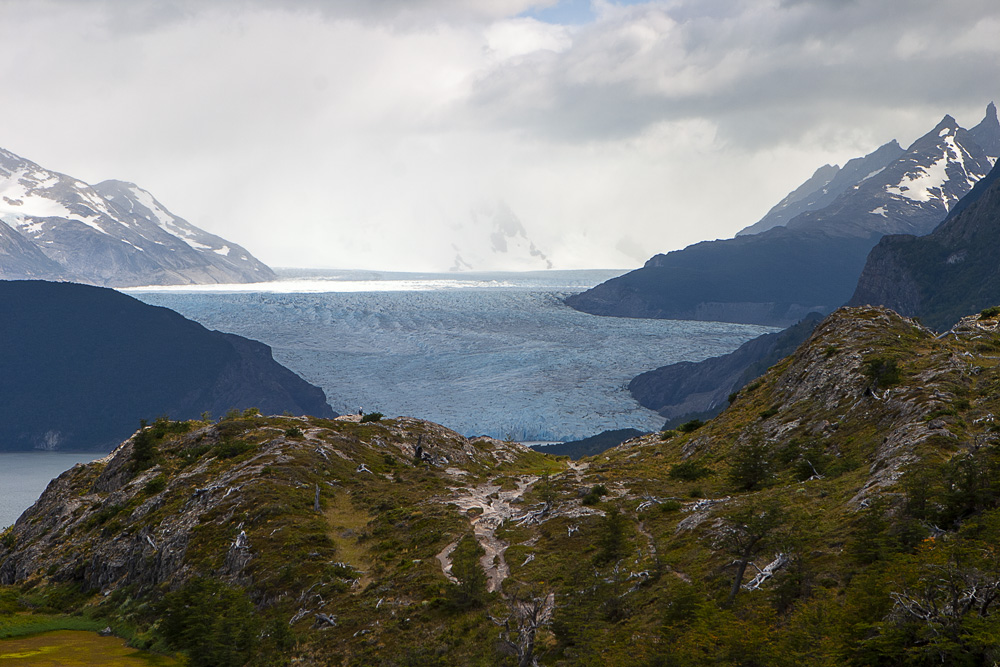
(350, 133)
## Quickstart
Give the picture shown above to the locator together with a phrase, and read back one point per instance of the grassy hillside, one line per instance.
(842, 511)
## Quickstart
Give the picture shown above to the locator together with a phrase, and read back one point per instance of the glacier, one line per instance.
(494, 354)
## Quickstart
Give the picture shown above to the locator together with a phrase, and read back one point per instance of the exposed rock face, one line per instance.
(114, 234)
(82, 365)
(945, 275)
(825, 186)
(701, 389)
(987, 133)
(813, 262)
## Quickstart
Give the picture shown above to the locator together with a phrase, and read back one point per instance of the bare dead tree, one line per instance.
(519, 627)
(746, 534)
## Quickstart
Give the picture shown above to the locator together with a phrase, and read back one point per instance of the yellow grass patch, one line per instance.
(74, 648)
(347, 523)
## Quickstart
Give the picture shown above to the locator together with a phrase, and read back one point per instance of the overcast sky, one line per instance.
(385, 133)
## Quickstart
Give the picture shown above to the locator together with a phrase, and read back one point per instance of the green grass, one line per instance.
(75, 648)
(20, 625)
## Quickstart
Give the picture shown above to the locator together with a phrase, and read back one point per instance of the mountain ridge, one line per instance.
(110, 234)
(811, 263)
(84, 364)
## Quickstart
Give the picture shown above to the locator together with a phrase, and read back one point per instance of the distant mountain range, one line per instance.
(83, 365)
(114, 234)
(807, 253)
(495, 239)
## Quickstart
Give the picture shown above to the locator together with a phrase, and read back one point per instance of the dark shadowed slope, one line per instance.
(702, 389)
(952, 272)
(82, 365)
(813, 262)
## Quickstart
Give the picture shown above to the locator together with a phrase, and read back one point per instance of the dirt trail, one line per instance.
(496, 507)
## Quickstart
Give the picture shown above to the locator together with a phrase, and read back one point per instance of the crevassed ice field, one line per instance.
(485, 354)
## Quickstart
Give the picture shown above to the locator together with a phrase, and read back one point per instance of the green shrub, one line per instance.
(372, 417)
(989, 313)
(294, 432)
(691, 426)
(103, 515)
(471, 590)
(611, 539)
(666, 435)
(231, 448)
(668, 506)
(882, 371)
(145, 452)
(595, 494)
(7, 537)
(155, 485)
(689, 471)
(750, 466)
(770, 412)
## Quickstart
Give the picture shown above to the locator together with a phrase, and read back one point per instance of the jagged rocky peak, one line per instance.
(913, 193)
(113, 234)
(987, 132)
(815, 194)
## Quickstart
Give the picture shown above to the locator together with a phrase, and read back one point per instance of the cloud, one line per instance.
(359, 133)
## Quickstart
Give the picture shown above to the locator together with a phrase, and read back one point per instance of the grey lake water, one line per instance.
(24, 475)
(485, 354)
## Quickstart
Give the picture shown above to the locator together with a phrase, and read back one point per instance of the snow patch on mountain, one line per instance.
(113, 234)
(493, 238)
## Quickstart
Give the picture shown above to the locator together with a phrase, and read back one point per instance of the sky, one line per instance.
(406, 134)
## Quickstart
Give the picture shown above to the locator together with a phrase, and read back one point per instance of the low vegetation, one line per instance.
(845, 510)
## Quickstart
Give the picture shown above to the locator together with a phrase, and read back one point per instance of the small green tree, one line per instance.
(471, 590)
(611, 538)
(750, 466)
(882, 371)
(213, 623)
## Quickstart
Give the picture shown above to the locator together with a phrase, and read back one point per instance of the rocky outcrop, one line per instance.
(83, 365)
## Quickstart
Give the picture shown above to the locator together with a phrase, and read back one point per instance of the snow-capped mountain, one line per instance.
(812, 262)
(495, 239)
(823, 188)
(113, 233)
(910, 189)
(913, 193)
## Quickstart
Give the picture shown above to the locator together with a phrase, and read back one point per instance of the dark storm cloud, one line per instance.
(289, 125)
(762, 71)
